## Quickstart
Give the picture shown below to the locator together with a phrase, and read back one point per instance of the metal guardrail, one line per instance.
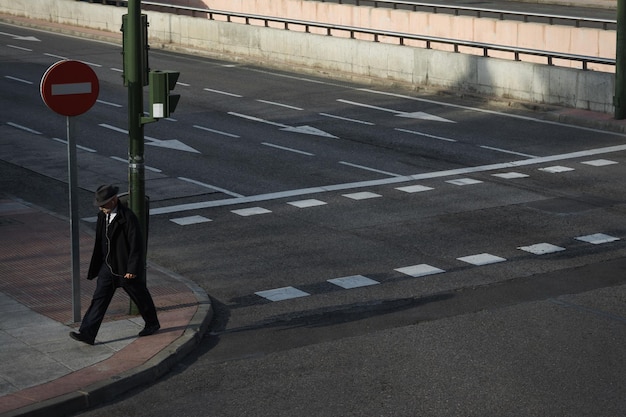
(480, 12)
(376, 34)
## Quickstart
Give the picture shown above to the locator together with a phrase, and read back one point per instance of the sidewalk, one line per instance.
(42, 370)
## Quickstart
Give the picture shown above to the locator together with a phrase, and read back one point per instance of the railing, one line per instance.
(482, 12)
(376, 34)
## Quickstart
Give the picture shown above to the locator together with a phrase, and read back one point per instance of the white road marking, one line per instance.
(281, 294)
(363, 195)
(219, 132)
(284, 148)
(27, 129)
(507, 151)
(307, 203)
(252, 211)
(599, 162)
(510, 175)
(414, 188)
(413, 115)
(413, 132)
(556, 169)
(108, 103)
(226, 93)
(186, 221)
(597, 238)
(354, 281)
(20, 48)
(391, 174)
(347, 119)
(420, 270)
(464, 181)
(541, 248)
(212, 187)
(387, 181)
(20, 80)
(84, 148)
(273, 103)
(481, 259)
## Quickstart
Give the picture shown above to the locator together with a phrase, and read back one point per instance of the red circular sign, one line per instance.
(69, 87)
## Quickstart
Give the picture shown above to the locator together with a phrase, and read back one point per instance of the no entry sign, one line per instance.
(69, 87)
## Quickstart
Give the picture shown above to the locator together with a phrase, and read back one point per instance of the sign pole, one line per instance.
(74, 231)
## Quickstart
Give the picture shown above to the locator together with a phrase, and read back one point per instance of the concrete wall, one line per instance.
(357, 60)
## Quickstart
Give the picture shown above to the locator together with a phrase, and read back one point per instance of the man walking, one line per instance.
(117, 261)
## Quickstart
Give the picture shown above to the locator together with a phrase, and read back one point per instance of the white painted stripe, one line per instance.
(226, 93)
(481, 259)
(369, 169)
(556, 169)
(420, 270)
(55, 56)
(281, 294)
(307, 203)
(20, 47)
(108, 103)
(71, 88)
(599, 162)
(368, 106)
(354, 281)
(273, 103)
(347, 119)
(18, 80)
(252, 211)
(212, 187)
(256, 119)
(386, 181)
(464, 181)
(597, 238)
(413, 132)
(476, 109)
(219, 132)
(510, 175)
(84, 148)
(117, 69)
(541, 248)
(286, 149)
(506, 151)
(414, 188)
(186, 221)
(364, 195)
(116, 129)
(27, 129)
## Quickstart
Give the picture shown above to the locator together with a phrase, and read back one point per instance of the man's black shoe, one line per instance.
(148, 330)
(81, 338)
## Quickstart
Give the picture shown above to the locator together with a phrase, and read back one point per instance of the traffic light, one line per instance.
(162, 103)
(129, 43)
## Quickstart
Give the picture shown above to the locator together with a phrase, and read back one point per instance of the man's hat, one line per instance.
(104, 194)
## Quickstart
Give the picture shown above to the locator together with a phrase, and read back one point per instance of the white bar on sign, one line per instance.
(71, 88)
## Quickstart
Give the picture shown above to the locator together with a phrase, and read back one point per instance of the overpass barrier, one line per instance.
(362, 61)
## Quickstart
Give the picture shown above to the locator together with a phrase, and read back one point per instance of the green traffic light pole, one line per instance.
(619, 100)
(133, 76)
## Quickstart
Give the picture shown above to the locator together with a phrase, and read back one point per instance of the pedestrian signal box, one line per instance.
(162, 103)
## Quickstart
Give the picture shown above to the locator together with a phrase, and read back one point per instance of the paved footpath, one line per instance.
(45, 373)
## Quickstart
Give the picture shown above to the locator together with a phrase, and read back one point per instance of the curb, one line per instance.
(157, 366)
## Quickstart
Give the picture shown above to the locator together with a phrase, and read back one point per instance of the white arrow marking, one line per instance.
(20, 38)
(307, 130)
(172, 143)
(414, 115)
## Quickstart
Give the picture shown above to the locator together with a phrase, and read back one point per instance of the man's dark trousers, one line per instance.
(106, 285)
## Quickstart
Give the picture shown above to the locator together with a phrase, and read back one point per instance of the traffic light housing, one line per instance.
(129, 43)
(162, 103)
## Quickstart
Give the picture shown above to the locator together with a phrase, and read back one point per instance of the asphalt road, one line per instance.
(370, 251)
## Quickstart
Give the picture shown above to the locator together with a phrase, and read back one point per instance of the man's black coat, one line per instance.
(126, 253)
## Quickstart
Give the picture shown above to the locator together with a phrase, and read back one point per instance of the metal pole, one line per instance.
(619, 100)
(136, 165)
(73, 200)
